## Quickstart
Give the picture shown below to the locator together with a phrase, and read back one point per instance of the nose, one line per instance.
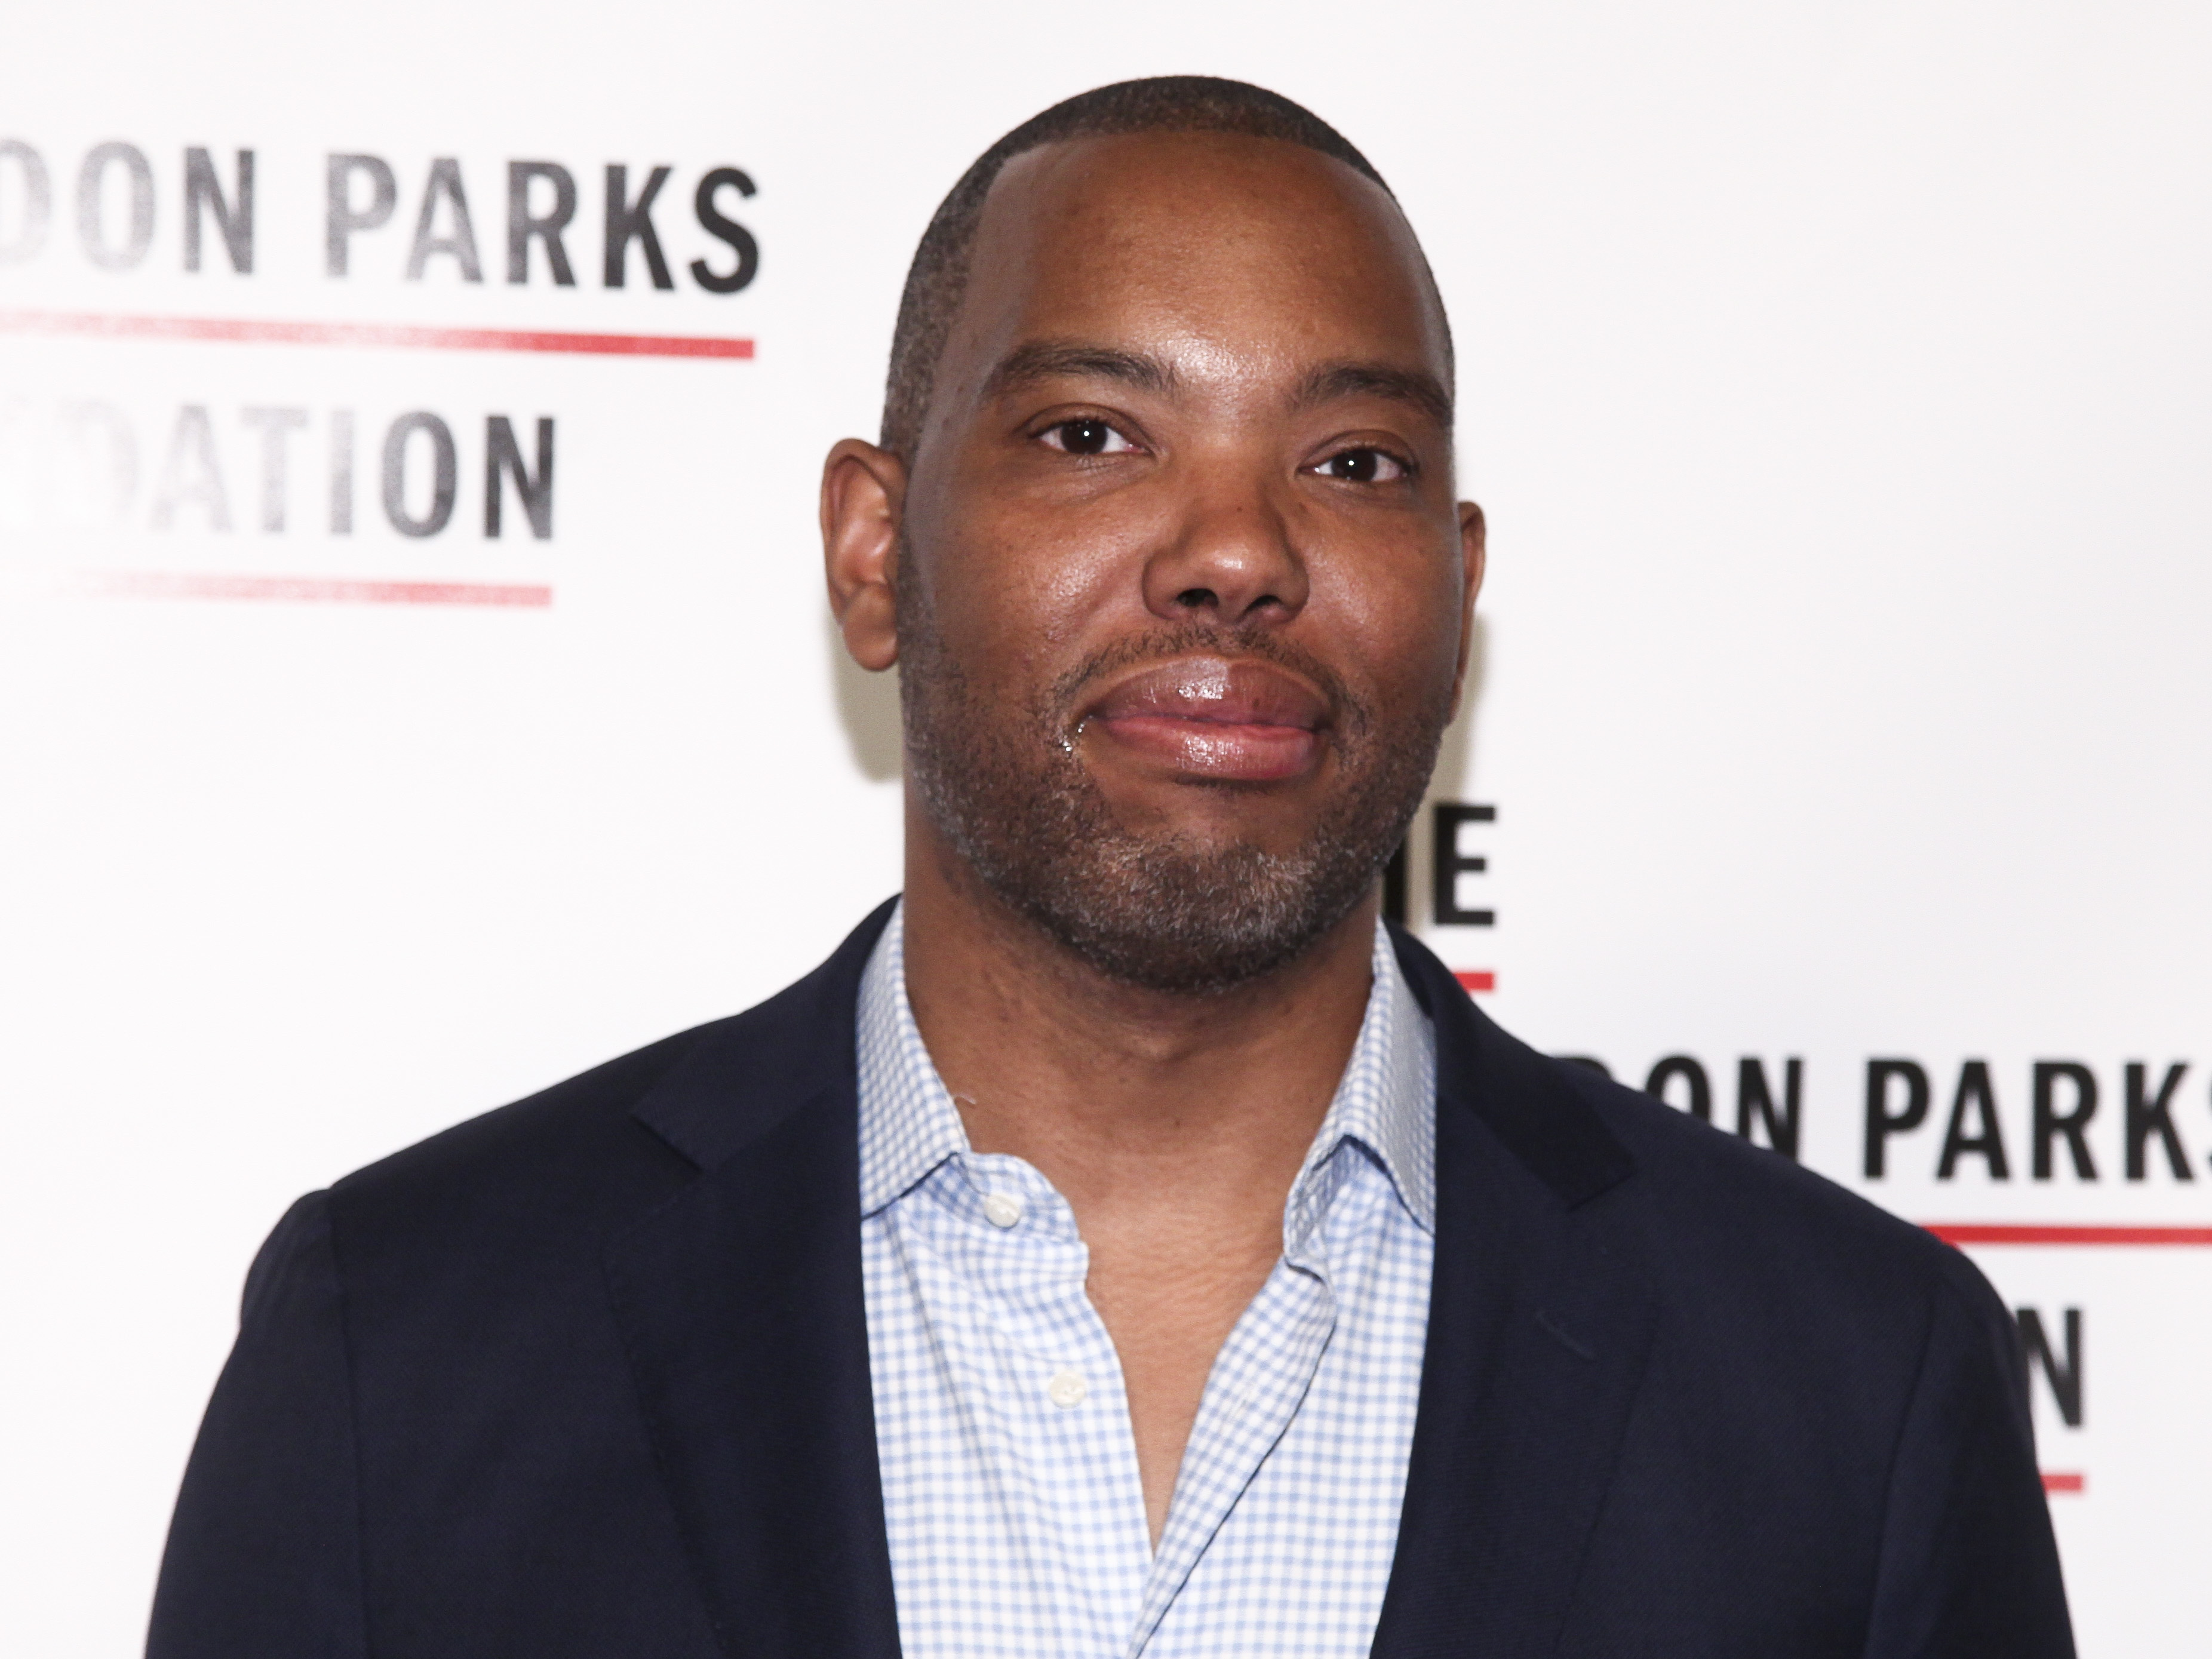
(1230, 560)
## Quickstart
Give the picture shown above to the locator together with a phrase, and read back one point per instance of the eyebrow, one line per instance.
(1416, 387)
(1045, 359)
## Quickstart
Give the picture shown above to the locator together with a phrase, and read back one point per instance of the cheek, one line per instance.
(1398, 611)
(1026, 592)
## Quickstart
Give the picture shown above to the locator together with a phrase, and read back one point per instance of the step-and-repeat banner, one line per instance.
(414, 683)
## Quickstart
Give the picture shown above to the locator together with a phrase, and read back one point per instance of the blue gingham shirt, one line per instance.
(1011, 1494)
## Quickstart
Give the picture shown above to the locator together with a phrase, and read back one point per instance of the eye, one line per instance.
(1086, 434)
(1364, 466)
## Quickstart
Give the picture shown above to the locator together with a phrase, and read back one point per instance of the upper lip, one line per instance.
(1217, 691)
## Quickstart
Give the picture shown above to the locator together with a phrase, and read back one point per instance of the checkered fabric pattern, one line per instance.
(1016, 1518)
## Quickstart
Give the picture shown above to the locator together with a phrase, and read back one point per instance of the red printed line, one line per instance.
(1477, 979)
(2065, 1483)
(2006, 1233)
(98, 326)
(151, 584)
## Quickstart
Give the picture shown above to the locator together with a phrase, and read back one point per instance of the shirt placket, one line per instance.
(1253, 1394)
(1070, 1476)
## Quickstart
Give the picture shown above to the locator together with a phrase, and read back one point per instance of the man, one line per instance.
(1123, 1244)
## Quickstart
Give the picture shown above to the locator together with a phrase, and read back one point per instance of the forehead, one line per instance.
(1259, 248)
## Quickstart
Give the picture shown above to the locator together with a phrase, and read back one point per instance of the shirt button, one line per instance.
(1066, 1389)
(1002, 1210)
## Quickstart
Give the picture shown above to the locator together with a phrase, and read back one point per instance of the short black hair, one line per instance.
(937, 279)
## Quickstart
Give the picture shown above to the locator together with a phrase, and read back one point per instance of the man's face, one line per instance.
(1182, 592)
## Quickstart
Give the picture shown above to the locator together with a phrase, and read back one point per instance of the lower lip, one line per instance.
(1209, 749)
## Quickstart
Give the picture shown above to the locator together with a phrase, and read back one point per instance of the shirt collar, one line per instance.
(908, 1124)
(1385, 1103)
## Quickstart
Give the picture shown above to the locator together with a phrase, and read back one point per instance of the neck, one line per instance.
(1173, 1125)
(1127, 1099)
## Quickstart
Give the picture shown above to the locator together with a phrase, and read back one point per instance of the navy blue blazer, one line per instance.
(588, 1377)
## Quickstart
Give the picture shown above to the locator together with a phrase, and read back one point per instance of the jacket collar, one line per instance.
(1521, 1097)
(741, 1305)
(743, 1076)
(742, 1311)
(1539, 1320)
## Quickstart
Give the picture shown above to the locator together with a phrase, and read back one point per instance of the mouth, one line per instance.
(1215, 718)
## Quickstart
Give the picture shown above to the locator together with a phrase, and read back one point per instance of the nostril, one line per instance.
(1196, 598)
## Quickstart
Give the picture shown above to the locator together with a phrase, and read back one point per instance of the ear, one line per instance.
(1473, 547)
(863, 491)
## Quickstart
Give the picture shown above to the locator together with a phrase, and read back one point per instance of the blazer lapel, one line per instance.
(1539, 1326)
(741, 1305)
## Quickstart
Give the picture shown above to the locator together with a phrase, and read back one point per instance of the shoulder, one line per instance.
(573, 1158)
(1709, 1214)
(1707, 1179)
(1736, 1226)
(584, 1158)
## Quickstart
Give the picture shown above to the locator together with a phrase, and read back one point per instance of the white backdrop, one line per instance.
(1835, 377)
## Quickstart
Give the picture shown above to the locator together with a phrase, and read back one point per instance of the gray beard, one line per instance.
(1163, 912)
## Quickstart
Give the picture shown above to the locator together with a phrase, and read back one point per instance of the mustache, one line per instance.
(1347, 711)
